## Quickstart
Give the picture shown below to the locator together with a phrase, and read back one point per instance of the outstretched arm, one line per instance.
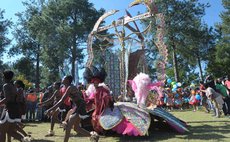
(49, 100)
(2, 101)
(67, 92)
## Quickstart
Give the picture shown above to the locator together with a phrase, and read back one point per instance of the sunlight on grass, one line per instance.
(202, 126)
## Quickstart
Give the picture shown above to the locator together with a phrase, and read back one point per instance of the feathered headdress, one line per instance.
(91, 73)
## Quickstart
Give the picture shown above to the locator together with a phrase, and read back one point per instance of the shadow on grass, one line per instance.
(41, 140)
(31, 125)
(208, 121)
(161, 131)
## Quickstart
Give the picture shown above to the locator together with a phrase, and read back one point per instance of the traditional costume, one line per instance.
(127, 118)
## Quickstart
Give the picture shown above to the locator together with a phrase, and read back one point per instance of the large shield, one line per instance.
(174, 122)
(110, 118)
(137, 116)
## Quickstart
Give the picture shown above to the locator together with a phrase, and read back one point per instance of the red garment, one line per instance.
(67, 100)
(89, 101)
(227, 84)
(102, 100)
(202, 88)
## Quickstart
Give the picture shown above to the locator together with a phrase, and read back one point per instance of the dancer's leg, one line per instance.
(69, 127)
(3, 130)
(12, 131)
(78, 129)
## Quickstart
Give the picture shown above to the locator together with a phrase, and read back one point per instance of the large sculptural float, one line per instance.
(138, 115)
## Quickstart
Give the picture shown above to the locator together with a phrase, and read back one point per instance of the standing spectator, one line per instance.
(169, 100)
(220, 88)
(40, 109)
(32, 102)
(215, 97)
(204, 99)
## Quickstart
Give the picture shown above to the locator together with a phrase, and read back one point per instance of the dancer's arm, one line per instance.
(2, 101)
(50, 99)
(68, 91)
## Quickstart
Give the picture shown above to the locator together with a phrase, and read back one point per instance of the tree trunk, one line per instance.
(74, 56)
(175, 64)
(37, 82)
(201, 72)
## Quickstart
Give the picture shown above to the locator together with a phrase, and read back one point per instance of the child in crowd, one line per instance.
(193, 101)
(169, 100)
(178, 99)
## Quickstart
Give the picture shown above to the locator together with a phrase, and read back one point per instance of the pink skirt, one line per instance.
(126, 128)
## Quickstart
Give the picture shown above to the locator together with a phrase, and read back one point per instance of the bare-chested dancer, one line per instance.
(78, 107)
(54, 99)
(22, 108)
(8, 122)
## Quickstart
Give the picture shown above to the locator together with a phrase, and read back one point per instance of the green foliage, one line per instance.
(62, 28)
(25, 67)
(27, 83)
(2, 68)
(4, 26)
(222, 54)
(185, 35)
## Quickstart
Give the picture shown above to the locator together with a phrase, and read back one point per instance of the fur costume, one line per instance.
(141, 85)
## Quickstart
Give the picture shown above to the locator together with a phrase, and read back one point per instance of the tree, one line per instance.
(180, 16)
(222, 54)
(25, 36)
(4, 41)
(25, 67)
(4, 26)
(67, 24)
(198, 40)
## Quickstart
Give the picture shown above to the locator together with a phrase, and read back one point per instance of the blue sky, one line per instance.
(13, 6)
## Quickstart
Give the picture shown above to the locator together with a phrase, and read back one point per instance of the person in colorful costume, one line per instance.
(125, 118)
(99, 94)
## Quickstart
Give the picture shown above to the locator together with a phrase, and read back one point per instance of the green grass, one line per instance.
(202, 126)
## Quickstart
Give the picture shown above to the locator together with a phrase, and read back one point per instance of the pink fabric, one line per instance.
(227, 83)
(133, 85)
(141, 85)
(193, 100)
(126, 128)
(156, 86)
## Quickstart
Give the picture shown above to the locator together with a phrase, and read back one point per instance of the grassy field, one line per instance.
(202, 126)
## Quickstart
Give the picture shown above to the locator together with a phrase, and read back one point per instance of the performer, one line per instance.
(11, 116)
(22, 107)
(58, 93)
(78, 107)
(102, 98)
(121, 118)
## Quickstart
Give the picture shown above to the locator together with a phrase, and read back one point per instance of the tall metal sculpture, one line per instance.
(122, 37)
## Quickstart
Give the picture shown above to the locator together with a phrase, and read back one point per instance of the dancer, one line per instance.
(11, 115)
(58, 93)
(78, 107)
(101, 95)
(22, 109)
